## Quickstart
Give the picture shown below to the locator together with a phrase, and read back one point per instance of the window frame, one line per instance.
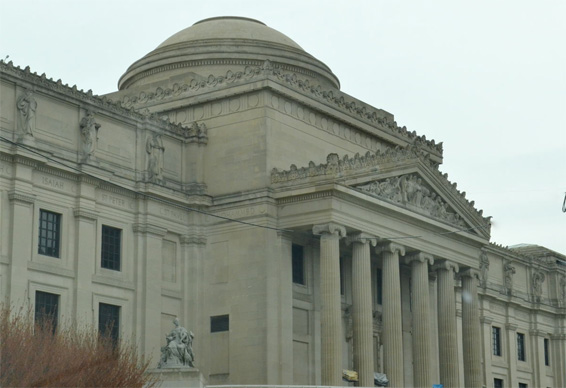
(546, 350)
(501, 381)
(496, 348)
(40, 315)
(115, 328)
(41, 231)
(521, 347)
(302, 264)
(220, 323)
(104, 245)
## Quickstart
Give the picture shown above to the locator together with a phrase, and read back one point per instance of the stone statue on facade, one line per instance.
(484, 268)
(27, 106)
(89, 134)
(538, 279)
(563, 288)
(179, 349)
(154, 148)
(508, 272)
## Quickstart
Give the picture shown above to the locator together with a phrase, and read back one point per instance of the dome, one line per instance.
(217, 45)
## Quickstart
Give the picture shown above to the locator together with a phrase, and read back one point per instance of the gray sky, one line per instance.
(487, 78)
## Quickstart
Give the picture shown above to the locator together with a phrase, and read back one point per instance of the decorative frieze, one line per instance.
(410, 191)
(269, 70)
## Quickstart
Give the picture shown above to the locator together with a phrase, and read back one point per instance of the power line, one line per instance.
(188, 208)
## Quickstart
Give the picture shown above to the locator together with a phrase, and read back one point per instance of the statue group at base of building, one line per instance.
(179, 349)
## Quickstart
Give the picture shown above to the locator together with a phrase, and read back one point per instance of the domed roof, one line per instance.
(217, 45)
(231, 27)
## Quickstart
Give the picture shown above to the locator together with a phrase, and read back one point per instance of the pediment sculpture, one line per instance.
(179, 349)
(410, 191)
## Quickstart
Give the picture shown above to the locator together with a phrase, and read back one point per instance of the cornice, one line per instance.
(193, 239)
(41, 81)
(269, 70)
(149, 229)
(85, 214)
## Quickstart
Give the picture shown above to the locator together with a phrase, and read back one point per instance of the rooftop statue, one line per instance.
(179, 351)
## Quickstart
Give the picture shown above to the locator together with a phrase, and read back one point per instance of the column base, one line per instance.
(178, 377)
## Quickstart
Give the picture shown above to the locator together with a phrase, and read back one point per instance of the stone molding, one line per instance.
(90, 100)
(486, 320)
(470, 273)
(85, 214)
(446, 265)
(335, 98)
(149, 229)
(336, 167)
(362, 238)
(420, 257)
(330, 230)
(511, 326)
(193, 239)
(538, 333)
(21, 197)
(391, 248)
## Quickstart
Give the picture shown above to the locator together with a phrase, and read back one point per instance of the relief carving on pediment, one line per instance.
(411, 192)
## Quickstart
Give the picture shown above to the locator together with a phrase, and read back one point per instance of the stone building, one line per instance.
(296, 230)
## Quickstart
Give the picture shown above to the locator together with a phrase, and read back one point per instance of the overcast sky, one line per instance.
(487, 78)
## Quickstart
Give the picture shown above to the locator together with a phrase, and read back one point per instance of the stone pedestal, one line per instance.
(180, 377)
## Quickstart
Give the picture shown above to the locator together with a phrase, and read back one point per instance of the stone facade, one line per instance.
(295, 230)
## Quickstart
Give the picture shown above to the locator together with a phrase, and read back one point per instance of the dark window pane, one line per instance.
(342, 276)
(49, 233)
(521, 354)
(298, 264)
(496, 333)
(546, 351)
(109, 321)
(46, 308)
(111, 247)
(497, 383)
(219, 323)
(523, 385)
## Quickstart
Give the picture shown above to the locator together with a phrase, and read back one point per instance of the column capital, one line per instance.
(419, 257)
(470, 273)
(85, 214)
(362, 238)
(391, 248)
(537, 333)
(21, 196)
(446, 265)
(329, 230)
(193, 239)
(149, 229)
(511, 326)
(486, 320)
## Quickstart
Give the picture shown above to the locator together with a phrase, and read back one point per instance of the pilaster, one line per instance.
(85, 261)
(471, 334)
(511, 329)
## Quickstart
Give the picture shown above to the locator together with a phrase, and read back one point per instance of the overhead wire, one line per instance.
(192, 209)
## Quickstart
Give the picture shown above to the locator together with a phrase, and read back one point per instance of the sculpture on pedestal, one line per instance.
(89, 135)
(27, 106)
(179, 349)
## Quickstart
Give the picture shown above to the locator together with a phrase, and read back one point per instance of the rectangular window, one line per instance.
(521, 354)
(523, 385)
(46, 309)
(109, 321)
(379, 286)
(497, 383)
(298, 264)
(546, 352)
(49, 233)
(496, 337)
(111, 247)
(219, 323)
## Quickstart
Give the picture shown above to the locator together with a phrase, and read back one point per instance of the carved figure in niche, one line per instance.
(27, 106)
(154, 148)
(484, 268)
(538, 279)
(179, 348)
(89, 134)
(508, 271)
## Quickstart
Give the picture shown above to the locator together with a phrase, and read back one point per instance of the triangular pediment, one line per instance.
(404, 177)
(413, 192)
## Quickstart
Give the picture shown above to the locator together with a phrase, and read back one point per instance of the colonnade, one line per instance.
(392, 336)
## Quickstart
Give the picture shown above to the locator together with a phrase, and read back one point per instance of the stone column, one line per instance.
(331, 310)
(471, 328)
(421, 318)
(392, 333)
(511, 352)
(362, 307)
(447, 328)
(487, 349)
